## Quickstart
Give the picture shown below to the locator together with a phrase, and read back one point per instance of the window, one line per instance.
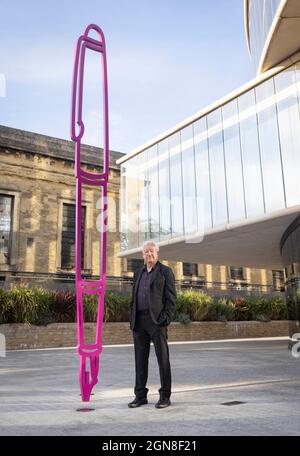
(68, 237)
(190, 269)
(164, 190)
(236, 273)
(133, 264)
(278, 280)
(6, 207)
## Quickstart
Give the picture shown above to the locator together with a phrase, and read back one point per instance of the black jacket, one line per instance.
(162, 295)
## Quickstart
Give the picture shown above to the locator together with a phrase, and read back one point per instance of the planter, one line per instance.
(22, 336)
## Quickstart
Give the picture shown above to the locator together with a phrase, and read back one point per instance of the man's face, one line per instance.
(150, 254)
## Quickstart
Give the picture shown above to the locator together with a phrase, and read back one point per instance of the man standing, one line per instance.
(152, 307)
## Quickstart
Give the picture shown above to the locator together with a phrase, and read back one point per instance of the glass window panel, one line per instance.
(262, 14)
(123, 210)
(236, 273)
(250, 155)
(68, 236)
(217, 170)
(269, 147)
(190, 269)
(153, 193)
(143, 184)
(233, 162)
(202, 175)
(6, 205)
(164, 190)
(289, 132)
(133, 264)
(189, 183)
(130, 204)
(176, 185)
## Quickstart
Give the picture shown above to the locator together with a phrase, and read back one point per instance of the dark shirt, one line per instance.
(144, 289)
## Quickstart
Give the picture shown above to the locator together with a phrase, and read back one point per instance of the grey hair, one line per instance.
(153, 243)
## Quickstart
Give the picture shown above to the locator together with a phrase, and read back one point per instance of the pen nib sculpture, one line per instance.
(89, 353)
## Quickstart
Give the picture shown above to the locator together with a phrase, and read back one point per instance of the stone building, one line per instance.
(37, 223)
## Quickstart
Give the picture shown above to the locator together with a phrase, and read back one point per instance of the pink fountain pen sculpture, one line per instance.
(89, 353)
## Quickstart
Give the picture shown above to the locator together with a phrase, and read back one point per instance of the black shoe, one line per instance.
(137, 402)
(163, 403)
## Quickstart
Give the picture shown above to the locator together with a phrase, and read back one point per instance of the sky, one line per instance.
(167, 59)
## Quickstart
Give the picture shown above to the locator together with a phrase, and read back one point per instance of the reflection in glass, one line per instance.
(241, 160)
(153, 202)
(6, 205)
(262, 14)
(164, 190)
(250, 155)
(217, 171)
(176, 185)
(289, 131)
(233, 161)
(143, 184)
(189, 184)
(130, 203)
(269, 147)
(204, 216)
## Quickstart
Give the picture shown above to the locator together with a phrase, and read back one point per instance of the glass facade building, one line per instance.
(261, 15)
(219, 176)
(241, 160)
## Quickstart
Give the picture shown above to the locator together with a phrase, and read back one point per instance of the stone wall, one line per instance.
(22, 336)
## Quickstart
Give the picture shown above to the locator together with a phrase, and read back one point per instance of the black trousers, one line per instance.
(145, 331)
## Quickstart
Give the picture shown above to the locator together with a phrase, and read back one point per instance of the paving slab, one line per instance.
(40, 394)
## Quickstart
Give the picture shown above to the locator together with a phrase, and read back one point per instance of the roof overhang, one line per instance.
(252, 243)
(284, 36)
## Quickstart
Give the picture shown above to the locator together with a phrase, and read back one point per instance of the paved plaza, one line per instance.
(40, 394)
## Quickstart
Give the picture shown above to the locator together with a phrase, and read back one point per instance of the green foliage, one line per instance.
(266, 308)
(24, 304)
(224, 310)
(64, 307)
(90, 306)
(198, 306)
(45, 302)
(117, 307)
(5, 307)
(240, 312)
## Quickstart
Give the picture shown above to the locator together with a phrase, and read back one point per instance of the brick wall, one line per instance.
(21, 336)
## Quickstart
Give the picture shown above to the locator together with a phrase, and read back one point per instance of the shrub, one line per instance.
(90, 307)
(224, 310)
(23, 304)
(240, 308)
(275, 308)
(64, 307)
(117, 307)
(27, 305)
(197, 305)
(266, 308)
(182, 318)
(5, 308)
(45, 302)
